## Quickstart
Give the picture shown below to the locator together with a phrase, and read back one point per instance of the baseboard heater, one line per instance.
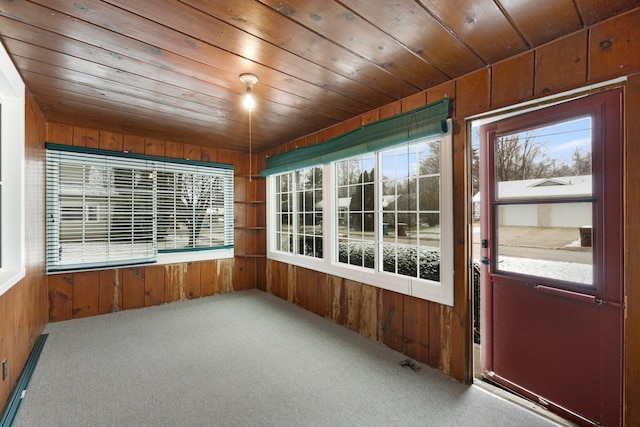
(21, 387)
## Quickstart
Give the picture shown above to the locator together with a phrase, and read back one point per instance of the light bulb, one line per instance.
(249, 103)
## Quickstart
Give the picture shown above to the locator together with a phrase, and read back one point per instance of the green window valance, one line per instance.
(430, 120)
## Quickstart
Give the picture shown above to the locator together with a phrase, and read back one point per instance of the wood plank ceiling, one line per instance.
(170, 68)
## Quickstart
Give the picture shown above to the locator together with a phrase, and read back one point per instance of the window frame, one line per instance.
(114, 160)
(12, 167)
(441, 292)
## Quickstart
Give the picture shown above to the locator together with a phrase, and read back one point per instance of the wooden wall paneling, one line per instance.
(261, 162)
(133, 144)
(338, 129)
(250, 274)
(253, 242)
(133, 287)
(209, 154)
(261, 192)
(208, 277)
(632, 248)
(260, 240)
(239, 242)
(225, 275)
(414, 101)
(292, 145)
(352, 124)
(443, 90)
(243, 274)
(174, 150)
(59, 133)
(460, 317)
(240, 273)
(290, 283)
(251, 216)
(86, 137)
(154, 147)
(391, 319)
(271, 267)
(338, 300)
(369, 117)
(225, 157)
(276, 280)
(473, 93)
(60, 297)
(440, 338)
(240, 161)
(86, 287)
(192, 288)
(11, 343)
(153, 285)
(35, 218)
(110, 292)
(240, 188)
(512, 80)
(311, 139)
(174, 282)
(324, 135)
(261, 273)
(416, 328)
(113, 141)
(613, 47)
(390, 110)
(323, 295)
(192, 152)
(561, 64)
(306, 289)
(358, 308)
(251, 189)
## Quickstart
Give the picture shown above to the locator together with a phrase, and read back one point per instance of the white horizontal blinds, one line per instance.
(194, 207)
(107, 208)
(99, 210)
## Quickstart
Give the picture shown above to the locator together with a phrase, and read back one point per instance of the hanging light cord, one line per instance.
(250, 168)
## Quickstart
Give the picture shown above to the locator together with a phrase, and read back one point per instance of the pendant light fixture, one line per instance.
(249, 104)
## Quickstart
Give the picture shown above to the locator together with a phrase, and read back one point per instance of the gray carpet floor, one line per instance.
(241, 359)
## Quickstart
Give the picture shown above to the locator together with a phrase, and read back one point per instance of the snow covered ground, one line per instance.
(570, 271)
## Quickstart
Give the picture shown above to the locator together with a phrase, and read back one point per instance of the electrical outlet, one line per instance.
(5, 371)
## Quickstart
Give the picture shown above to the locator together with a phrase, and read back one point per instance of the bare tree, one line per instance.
(519, 159)
(197, 196)
(581, 163)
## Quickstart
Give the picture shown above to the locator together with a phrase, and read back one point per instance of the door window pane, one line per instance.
(541, 162)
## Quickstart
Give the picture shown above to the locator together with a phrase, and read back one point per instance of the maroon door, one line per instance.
(552, 304)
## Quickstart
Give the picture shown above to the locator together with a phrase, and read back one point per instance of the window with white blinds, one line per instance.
(111, 208)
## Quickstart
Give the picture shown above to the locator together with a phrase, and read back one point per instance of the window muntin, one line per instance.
(410, 210)
(107, 209)
(299, 207)
(284, 212)
(308, 198)
(355, 216)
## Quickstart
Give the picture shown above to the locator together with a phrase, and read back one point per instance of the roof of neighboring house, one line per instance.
(575, 186)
